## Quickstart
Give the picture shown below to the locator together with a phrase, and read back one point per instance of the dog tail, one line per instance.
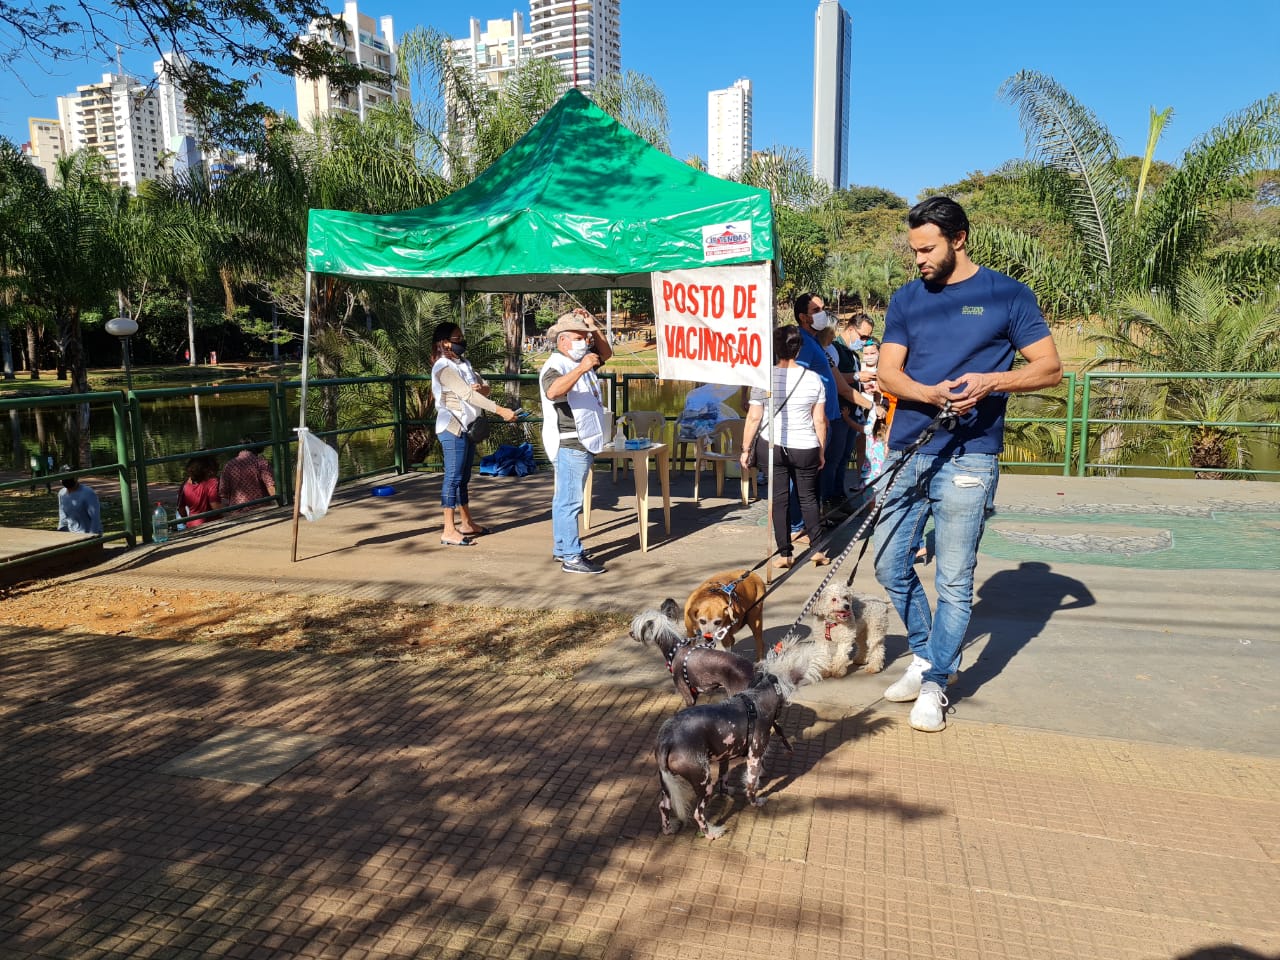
(796, 665)
(677, 787)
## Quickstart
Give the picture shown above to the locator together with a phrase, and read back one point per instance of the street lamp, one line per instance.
(124, 328)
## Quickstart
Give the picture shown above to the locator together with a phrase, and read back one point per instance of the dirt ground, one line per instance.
(529, 642)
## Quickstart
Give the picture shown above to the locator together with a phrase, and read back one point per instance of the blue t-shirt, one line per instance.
(974, 326)
(815, 358)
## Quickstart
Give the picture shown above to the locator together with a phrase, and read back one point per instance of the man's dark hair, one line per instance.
(801, 305)
(786, 342)
(943, 212)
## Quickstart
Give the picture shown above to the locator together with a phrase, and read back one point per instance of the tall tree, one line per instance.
(1122, 243)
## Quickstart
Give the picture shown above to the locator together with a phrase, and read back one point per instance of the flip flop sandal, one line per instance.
(477, 532)
(456, 543)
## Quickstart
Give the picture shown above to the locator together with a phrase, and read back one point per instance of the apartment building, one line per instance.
(118, 118)
(366, 43)
(582, 36)
(494, 52)
(729, 129)
(45, 145)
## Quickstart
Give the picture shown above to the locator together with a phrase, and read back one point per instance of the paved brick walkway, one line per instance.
(448, 815)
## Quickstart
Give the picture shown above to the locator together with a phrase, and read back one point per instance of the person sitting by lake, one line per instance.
(246, 477)
(78, 508)
(200, 490)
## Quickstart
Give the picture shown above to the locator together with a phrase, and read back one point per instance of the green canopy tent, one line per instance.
(579, 202)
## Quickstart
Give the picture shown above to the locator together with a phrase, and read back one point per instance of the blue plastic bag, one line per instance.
(509, 461)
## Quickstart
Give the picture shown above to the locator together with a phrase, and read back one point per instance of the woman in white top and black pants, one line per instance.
(799, 437)
(460, 395)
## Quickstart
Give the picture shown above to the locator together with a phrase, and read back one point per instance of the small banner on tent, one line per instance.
(715, 324)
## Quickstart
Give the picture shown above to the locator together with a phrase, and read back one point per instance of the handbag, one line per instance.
(479, 430)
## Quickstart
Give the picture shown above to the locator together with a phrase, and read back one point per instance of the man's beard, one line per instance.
(943, 272)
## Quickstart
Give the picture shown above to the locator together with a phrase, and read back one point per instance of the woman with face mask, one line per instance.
(460, 394)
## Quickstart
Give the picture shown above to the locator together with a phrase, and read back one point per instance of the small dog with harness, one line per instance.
(708, 734)
(719, 605)
(695, 668)
(854, 627)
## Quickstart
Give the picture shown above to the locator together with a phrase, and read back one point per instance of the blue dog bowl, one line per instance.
(384, 491)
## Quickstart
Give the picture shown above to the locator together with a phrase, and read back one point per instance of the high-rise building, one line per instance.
(582, 36)
(494, 52)
(178, 129)
(118, 118)
(45, 146)
(366, 43)
(729, 129)
(832, 47)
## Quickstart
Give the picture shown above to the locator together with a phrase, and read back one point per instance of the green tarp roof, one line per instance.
(580, 202)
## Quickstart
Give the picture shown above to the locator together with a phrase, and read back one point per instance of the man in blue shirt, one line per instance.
(949, 337)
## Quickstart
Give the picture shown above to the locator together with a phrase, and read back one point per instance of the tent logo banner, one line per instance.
(715, 324)
(726, 240)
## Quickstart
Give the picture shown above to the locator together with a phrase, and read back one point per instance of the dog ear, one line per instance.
(670, 609)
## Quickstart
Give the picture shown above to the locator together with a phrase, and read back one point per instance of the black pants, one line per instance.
(799, 467)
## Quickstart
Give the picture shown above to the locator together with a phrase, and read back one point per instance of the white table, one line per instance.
(639, 460)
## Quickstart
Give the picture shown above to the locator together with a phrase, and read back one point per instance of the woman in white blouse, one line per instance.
(799, 436)
(460, 395)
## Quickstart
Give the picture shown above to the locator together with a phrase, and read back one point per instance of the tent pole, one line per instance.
(302, 411)
(462, 305)
(768, 524)
(608, 315)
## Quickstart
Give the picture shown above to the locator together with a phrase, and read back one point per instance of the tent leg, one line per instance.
(302, 411)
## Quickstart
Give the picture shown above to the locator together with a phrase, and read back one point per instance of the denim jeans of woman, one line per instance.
(959, 493)
(566, 506)
(459, 456)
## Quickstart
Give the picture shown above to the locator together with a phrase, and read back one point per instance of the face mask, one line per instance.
(458, 347)
(820, 320)
(578, 350)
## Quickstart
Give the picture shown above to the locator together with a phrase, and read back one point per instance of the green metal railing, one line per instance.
(133, 467)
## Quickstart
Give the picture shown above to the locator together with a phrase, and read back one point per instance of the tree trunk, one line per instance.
(1209, 451)
(33, 355)
(513, 329)
(71, 349)
(191, 330)
(6, 348)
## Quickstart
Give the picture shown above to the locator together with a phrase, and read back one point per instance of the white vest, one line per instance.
(445, 416)
(583, 399)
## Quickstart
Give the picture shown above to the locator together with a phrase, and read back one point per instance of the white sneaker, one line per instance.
(930, 707)
(907, 686)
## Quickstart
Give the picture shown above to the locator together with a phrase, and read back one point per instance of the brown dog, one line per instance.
(710, 608)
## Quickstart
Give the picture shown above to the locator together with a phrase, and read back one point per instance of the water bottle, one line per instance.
(178, 516)
(160, 525)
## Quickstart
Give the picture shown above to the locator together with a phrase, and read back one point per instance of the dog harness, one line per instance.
(684, 664)
(752, 713)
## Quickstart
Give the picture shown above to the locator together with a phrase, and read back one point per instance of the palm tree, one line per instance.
(1124, 242)
(1198, 326)
(74, 257)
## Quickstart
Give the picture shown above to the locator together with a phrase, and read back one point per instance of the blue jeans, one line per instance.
(831, 483)
(459, 456)
(959, 493)
(572, 467)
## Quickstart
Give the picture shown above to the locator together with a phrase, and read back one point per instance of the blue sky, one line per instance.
(924, 109)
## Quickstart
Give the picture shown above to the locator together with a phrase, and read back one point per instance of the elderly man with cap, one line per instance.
(572, 426)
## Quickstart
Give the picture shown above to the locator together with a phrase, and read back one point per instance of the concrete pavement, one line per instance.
(1108, 784)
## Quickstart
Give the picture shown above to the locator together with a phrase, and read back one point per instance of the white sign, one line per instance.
(715, 324)
(726, 240)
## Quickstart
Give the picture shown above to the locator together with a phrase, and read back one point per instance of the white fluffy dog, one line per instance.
(854, 625)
